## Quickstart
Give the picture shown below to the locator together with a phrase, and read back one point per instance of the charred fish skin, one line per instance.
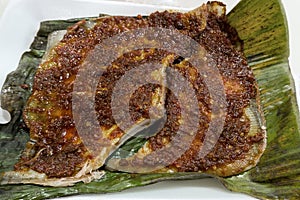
(56, 150)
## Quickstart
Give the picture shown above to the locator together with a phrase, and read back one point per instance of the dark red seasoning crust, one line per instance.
(58, 150)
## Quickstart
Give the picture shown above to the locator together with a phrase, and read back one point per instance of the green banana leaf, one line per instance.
(263, 27)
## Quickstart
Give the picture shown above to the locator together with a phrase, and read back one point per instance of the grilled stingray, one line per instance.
(56, 155)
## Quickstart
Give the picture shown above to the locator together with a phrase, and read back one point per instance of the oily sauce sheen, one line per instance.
(57, 149)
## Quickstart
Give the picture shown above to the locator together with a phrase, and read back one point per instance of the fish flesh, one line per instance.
(217, 129)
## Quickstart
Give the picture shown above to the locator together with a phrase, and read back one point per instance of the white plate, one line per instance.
(19, 24)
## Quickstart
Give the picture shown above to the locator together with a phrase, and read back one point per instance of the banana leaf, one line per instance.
(262, 26)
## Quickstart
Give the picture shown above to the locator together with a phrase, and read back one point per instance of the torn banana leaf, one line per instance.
(262, 26)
